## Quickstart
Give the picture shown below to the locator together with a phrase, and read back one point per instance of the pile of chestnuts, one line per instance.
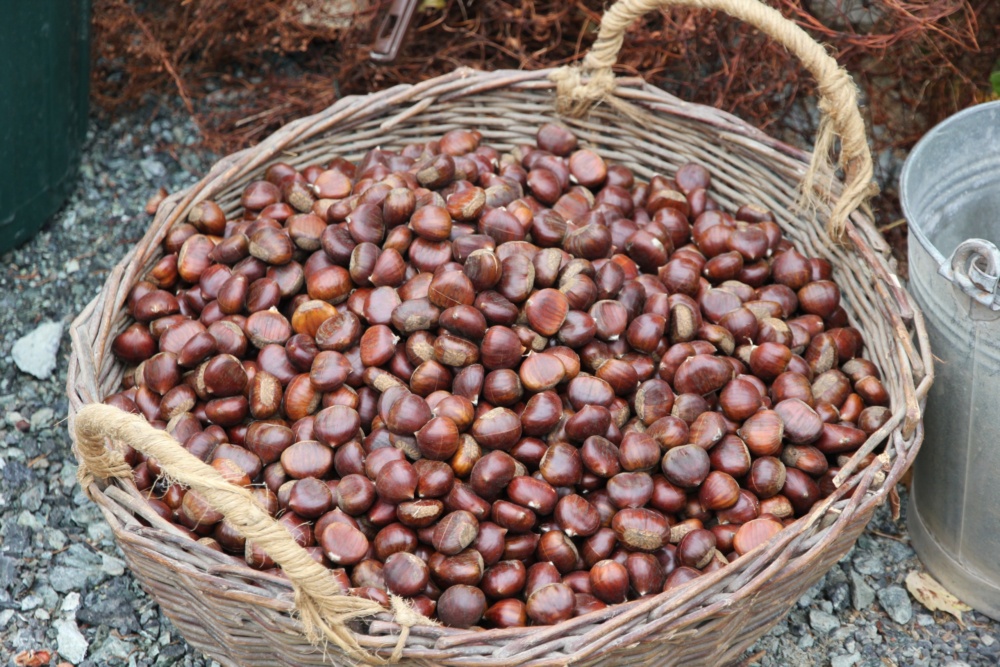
(513, 387)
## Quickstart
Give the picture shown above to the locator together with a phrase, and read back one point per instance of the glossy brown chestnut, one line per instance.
(686, 466)
(641, 529)
(609, 581)
(551, 604)
(461, 606)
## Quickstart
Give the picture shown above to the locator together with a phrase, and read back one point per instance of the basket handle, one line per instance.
(838, 101)
(323, 607)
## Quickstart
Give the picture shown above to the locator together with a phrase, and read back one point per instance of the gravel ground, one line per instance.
(63, 586)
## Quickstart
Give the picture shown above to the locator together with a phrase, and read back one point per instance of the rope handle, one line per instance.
(581, 86)
(323, 607)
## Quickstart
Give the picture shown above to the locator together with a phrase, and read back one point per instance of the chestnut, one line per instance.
(754, 533)
(405, 574)
(686, 466)
(551, 604)
(763, 432)
(696, 548)
(557, 548)
(546, 311)
(464, 568)
(535, 494)
(506, 579)
(641, 529)
(720, 491)
(576, 516)
(461, 606)
(343, 545)
(609, 581)
(767, 477)
(507, 613)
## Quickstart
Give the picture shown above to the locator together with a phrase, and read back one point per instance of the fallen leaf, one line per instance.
(33, 658)
(934, 596)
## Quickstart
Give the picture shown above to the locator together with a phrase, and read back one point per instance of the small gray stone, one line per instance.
(987, 640)
(868, 564)
(16, 538)
(113, 648)
(112, 566)
(42, 417)
(71, 602)
(50, 599)
(71, 642)
(152, 168)
(956, 663)
(839, 595)
(114, 610)
(171, 652)
(862, 595)
(845, 660)
(842, 633)
(66, 579)
(16, 476)
(99, 532)
(899, 551)
(30, 602)
(32, 499)
(67, 476)
(896, 602)
(29, 520)
(80, 556)
(35, 352)
(5, 617)
(56, 539)
(8, 573)
(822, 621)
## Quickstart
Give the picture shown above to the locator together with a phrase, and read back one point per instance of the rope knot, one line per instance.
(406, 617)
(576, 93)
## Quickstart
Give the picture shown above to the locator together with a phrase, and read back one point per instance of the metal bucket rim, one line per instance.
(914, 156)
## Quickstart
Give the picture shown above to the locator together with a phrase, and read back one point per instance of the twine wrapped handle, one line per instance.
(323, 607)
(580, 87)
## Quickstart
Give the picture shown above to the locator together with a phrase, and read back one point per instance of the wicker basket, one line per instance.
(239, 616)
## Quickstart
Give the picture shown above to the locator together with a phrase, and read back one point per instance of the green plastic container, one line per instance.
(44, 70)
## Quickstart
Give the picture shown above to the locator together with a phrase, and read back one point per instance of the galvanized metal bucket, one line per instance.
(950, 191)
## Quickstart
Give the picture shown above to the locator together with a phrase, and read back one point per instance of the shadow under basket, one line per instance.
(239, 616)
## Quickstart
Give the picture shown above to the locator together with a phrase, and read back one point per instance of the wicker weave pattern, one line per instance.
(242, 617)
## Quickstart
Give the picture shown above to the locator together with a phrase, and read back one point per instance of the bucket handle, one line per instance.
(975, 267)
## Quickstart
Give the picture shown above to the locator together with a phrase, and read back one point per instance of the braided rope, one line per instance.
(580, 87)
(323, 607)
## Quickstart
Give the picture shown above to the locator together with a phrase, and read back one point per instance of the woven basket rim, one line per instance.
(409, 100)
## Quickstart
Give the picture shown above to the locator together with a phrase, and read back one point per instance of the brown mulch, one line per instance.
(270, 61)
